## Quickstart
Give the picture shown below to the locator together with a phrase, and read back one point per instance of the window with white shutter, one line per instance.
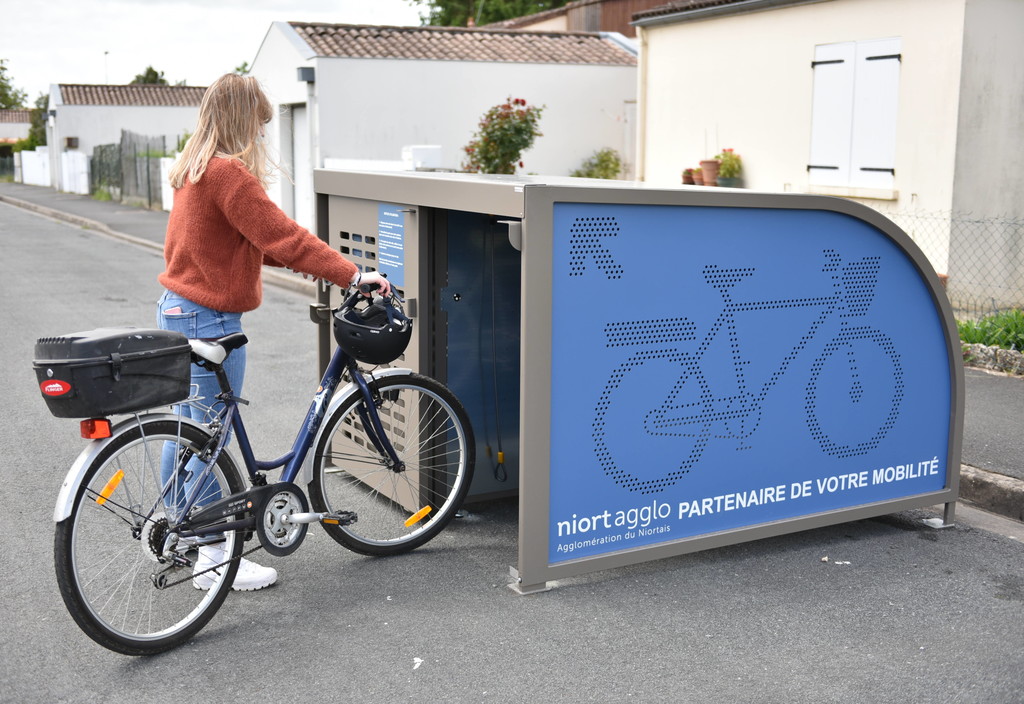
(853, 119)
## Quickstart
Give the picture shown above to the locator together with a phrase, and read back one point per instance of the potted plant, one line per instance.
(698, 177)
(730, 169)
(688, 177)
(709, 167)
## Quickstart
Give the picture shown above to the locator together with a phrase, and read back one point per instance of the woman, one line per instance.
(222, 229)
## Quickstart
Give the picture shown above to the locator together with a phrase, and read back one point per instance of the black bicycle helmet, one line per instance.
(373, 331)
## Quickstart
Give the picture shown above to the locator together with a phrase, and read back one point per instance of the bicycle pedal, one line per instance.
(341, 518)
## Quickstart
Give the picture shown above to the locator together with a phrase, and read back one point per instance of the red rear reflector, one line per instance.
(95, 428)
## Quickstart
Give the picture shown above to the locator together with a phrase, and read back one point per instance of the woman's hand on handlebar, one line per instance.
(370, 281)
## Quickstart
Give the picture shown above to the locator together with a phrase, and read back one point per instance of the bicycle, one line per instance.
(692, 414)
(389, 459)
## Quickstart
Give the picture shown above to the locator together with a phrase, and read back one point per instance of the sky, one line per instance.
(112, 41)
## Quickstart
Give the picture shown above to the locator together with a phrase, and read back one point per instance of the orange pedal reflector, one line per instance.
(109, 488)
(418, 516)
(95, 428)
(332, 521)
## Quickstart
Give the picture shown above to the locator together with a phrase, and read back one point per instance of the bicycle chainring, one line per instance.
(276, 534)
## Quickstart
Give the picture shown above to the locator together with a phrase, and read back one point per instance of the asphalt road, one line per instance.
(898, 612)
(994, 422)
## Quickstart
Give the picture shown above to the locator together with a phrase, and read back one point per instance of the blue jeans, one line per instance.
(199, 322)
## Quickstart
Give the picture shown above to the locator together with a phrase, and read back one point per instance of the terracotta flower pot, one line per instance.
(709, 167)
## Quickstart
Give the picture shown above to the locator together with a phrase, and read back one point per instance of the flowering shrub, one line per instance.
(506, 131)
(731, 166)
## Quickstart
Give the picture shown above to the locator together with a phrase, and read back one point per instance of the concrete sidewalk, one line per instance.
(992, 475)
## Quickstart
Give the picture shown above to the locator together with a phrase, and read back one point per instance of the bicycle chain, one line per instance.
(211, 569)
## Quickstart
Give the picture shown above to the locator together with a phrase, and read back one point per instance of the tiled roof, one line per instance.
(682, 6)
(15, 116)
(139, 94)
(461, 44)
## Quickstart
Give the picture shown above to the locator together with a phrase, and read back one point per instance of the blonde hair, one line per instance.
(231, 117)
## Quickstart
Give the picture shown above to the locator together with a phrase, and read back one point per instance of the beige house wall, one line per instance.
(986, 261)
(744, 81)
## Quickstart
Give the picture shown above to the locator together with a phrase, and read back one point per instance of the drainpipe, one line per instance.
(308, 74)
(641, 112)
(53, 149)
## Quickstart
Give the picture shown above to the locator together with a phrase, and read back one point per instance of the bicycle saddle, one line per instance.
(217, 350)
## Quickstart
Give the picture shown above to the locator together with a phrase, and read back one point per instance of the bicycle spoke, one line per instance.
(400, 507)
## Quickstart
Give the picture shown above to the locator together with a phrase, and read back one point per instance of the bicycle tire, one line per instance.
(103, 552)
(431, 433)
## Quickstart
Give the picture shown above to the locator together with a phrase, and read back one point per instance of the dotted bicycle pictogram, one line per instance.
(689, 405)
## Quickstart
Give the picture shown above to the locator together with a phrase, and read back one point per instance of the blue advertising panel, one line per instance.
(391, 243)
(718, 368)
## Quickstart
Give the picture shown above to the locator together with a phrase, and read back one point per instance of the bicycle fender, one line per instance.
(306, 473)
(73, 480)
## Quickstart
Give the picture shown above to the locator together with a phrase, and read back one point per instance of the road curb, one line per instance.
(994, 492)
(270, 275)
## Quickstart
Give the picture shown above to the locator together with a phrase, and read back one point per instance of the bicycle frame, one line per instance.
(292, 462)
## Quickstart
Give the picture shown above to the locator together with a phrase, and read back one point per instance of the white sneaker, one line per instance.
(249, 578)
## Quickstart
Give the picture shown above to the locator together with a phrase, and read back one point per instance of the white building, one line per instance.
(356, 96)
(14, 125)
(85, 116)
(910, 106)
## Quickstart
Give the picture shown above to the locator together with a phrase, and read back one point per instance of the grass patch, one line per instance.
(102, 194)
(1005, 330)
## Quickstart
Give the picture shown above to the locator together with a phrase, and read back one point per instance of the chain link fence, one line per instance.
(982, 258)
(7, 167)
(129, 171)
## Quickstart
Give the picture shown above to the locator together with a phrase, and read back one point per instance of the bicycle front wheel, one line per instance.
(399, 506)
(123, 579)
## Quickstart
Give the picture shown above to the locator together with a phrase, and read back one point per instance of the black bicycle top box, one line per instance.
(112, 370)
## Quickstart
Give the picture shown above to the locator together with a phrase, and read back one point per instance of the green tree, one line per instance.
(37, 132)
(242, 69)
(10, 97)
(506, 131)
(457, 13)
(150, 77)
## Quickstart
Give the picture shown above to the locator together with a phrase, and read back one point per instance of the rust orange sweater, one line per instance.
(224, 228)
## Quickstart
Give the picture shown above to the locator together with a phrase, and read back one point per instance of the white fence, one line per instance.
(74, 168)
(35, 167)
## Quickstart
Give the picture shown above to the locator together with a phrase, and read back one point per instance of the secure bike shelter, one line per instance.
(660, 371)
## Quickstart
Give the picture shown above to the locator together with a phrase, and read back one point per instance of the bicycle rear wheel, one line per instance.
(109, 552)
(399, 507)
